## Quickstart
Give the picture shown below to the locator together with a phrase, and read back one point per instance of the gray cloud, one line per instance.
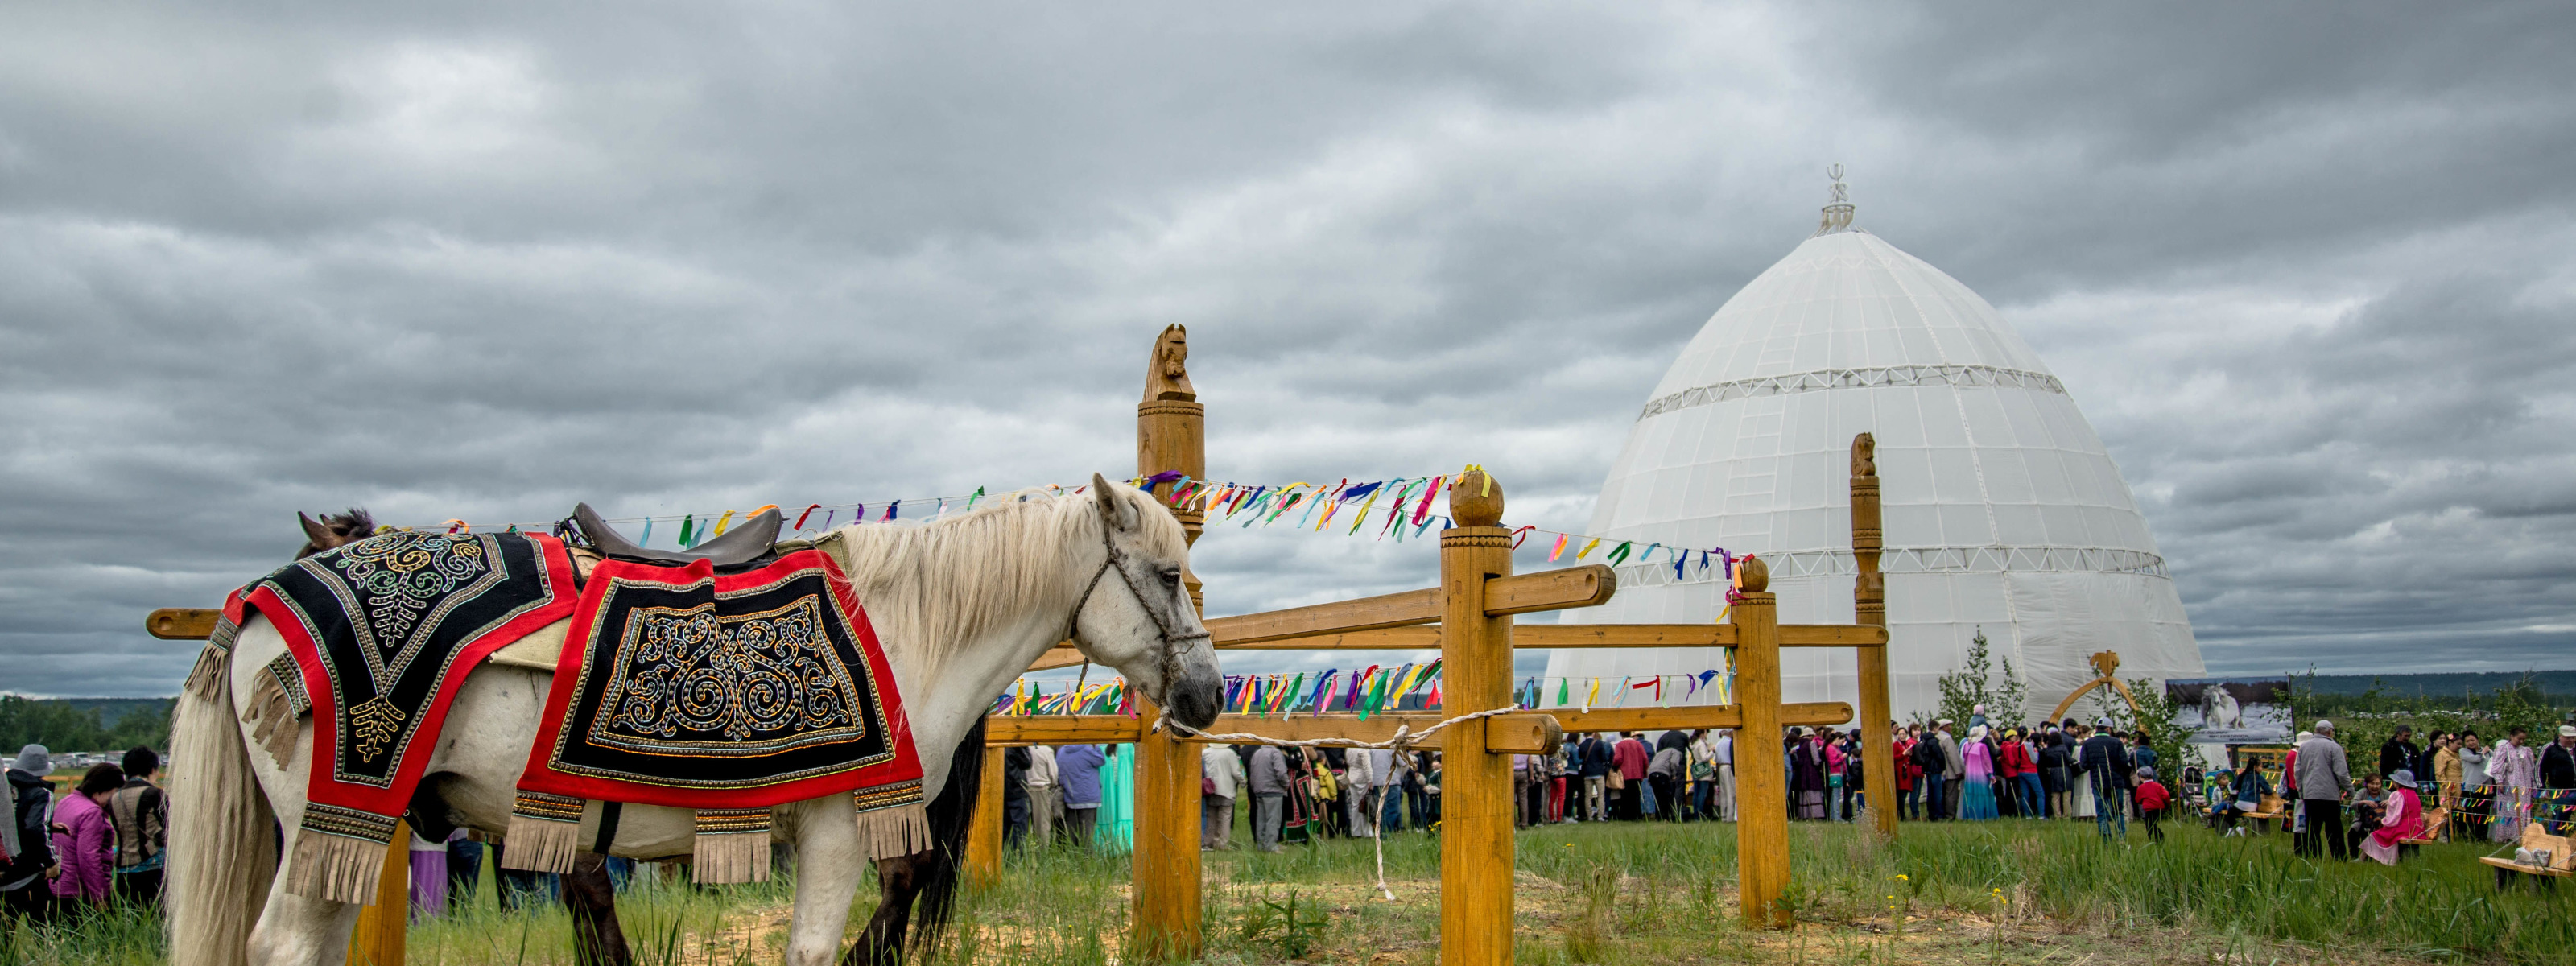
(2305, 269)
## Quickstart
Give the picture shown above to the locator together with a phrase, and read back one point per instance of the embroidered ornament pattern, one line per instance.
(375, 723)
(692, 673)
(403, 579)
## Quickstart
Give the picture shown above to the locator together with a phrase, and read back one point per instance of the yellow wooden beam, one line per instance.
(378, 939)
(1588, 585)
(1696, 716)
(984, 824)
(182, 623)
(1416, 638)
(1366, 613)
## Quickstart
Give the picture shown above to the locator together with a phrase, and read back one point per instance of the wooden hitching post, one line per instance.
(1869, 606)
(1171, 435)
(1476, 785)
(1762, 796)
(378, 940)
(984, 831)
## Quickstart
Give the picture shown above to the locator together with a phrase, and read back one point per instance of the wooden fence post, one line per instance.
(984, 833)
(1762, 796)
(1171, 436)
(379, 938)
(1476, 785)
(1869, 606)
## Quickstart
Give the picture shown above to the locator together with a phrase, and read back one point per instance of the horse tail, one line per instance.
(952, 814)
(222, 851)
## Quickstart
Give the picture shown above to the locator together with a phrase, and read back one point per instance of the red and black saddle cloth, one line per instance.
(379, 635)
(724, 693)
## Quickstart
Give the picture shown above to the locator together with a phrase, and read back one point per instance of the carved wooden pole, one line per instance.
(379, 938)
(984, 826)
(1476, 785)
(1761, 791)
(1869, 606)
(1171, 435)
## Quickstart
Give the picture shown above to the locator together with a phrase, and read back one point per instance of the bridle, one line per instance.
(1115, 561)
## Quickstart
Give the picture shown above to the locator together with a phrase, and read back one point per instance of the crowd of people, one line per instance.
(2484, 794)
(2060, 770)
(69, 852)
(1944, 772)
(102, 839)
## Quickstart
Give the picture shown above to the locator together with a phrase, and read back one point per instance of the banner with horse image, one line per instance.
(2232, 711)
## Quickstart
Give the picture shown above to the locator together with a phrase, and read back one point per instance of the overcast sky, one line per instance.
(2307, 268)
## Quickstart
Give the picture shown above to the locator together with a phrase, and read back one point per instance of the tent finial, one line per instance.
(1838, 211)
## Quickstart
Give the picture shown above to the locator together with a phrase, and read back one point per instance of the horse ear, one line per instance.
(1120, 514)
(320, 535)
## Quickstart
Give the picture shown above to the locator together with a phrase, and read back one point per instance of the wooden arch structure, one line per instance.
(2105, 664)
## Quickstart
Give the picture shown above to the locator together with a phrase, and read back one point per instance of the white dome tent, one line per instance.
(2002, 510)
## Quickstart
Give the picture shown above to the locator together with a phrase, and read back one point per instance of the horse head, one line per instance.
(334, 530)
(1134, 614)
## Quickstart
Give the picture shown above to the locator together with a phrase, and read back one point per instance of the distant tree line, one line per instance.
(67, 725)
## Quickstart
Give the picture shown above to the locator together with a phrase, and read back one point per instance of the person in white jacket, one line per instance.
(1359, 793)
(1222, 771)
(1046, 802)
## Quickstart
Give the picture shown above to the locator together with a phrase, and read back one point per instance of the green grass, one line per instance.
(120, 936)
(667, 923)
(2005, 891)
(1656, 893)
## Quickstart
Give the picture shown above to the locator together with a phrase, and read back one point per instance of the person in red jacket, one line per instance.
(2152, 797)
(1630, 757)
(1906, 773)
(2017, 775)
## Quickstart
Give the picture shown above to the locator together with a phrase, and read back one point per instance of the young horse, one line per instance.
(334, 530)
(962, 605)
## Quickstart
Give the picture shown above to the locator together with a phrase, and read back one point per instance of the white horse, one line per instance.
(962, 605)
(2219, 709)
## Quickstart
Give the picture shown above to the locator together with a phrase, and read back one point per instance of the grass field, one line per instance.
(1993, 892)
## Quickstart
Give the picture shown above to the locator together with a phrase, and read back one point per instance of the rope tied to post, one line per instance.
(1402, 742)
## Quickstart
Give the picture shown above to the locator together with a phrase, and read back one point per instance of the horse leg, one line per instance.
(899, 880)
(591, 897)
(299, 931)
(828, 860)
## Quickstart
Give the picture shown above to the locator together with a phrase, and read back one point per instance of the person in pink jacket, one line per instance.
(84, 840)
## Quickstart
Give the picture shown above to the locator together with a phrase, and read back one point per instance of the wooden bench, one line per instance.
(2434, 823)
(2562, 858)
(2273, 807)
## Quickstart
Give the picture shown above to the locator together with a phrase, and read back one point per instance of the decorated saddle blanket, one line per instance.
(379, 635)
(724, 693)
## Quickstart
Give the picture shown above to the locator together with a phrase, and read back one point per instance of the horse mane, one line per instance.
(937, 585)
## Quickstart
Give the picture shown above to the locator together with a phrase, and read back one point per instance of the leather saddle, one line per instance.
(740, 548)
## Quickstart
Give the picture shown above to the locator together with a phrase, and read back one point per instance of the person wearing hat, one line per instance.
(2323, 776)
(2401, 818)
(2152, 796)
(2558, 771)
(23, 890)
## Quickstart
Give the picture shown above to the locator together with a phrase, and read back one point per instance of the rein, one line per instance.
(1116, 561)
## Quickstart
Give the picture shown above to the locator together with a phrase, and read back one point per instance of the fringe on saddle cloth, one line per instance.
(379, 635)
(629, 719)
(547, 833)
